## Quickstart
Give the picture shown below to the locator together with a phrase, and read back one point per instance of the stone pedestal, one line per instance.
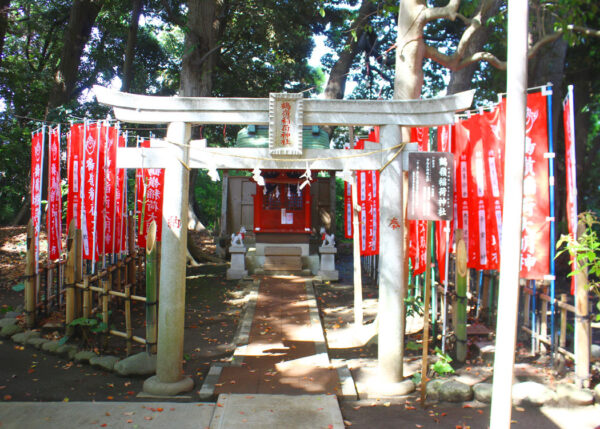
(238, 263)
(327, 269)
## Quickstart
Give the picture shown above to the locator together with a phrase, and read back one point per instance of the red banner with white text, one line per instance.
(37, 167)
(92, 190)
(150, 187)
(54, 211)
(74, 173)
(368, 200)
(571, 169)
(535, 230)
(443, 229)
(417, 252)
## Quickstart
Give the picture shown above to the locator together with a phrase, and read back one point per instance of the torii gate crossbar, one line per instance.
(177, 154)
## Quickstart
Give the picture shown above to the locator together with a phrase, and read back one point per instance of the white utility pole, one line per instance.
(510, 250)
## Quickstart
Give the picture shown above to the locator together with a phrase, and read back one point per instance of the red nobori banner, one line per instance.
(120, 206)
(74, 174)
(368, 200)
(417, 252)
(150, 187)
(444, 229)
(54, 211)
(571, 169)
(347, 210)
(485, 171)
(110, 177)
(37, 166)
(535, 230)
(93, 160)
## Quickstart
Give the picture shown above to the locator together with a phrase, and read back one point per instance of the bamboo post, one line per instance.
(128, 327)
(526, 305)
(485, 297)
(78, 271)
(582, 322)
(424, 364)
(461, 297)
(151, 281)
(563, 321)
(70, 278)
(105, 289)
(87, 298)
(49, 281)
(358, 302)
(543, 326)
(30, 278)
(131, 266)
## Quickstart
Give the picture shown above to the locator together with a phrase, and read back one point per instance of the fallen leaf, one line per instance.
(128, 413)
(480, 411)
(160, 410)
(103, 425)
(386, 404)
(467, 406)
(107, 414)
(129, 421)
(148, 418)
(409, 407)
(347, 423)
(110, 398)
(7, 397)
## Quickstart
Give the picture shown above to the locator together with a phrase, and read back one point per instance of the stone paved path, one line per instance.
(286, 352)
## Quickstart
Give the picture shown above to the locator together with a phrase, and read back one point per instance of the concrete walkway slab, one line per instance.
(277, 411)
(159, 415)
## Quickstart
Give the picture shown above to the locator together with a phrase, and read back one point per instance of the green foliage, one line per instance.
(586, 253)
(414, 305)
(412, 345)
(442, 365)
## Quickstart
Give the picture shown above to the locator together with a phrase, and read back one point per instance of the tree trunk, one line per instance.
(201, 47)
(199, 61)
(336, 84)
(136, 11)
(462, 79)
(4, 7)
(81, 21)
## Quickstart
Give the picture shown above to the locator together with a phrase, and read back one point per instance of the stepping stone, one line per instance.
(455, 391)
(106, 363)
(10, 330)
(138, 364)
(573, 395)
(483, 392)
(84, 356)
(22, 337)
(7, 321)
(532, 393)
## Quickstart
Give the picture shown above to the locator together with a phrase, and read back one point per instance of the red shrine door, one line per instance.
(281, 206)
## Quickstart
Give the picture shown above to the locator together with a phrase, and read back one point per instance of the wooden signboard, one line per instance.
(430, 185)
(285, 124)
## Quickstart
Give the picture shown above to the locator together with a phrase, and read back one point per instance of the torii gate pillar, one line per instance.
(392, 286)
(169, 380)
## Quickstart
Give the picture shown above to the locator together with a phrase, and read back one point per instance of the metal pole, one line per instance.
(548, 91)
(510, 251)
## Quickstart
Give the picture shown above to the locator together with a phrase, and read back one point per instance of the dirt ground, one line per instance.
(213, 310)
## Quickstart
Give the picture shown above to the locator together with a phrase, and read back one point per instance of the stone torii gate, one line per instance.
(285, 114)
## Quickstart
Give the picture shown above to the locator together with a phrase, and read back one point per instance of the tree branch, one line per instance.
(449, 11)
(175, 19)
(584, 30)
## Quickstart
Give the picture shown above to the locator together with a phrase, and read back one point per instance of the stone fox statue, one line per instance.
(237, 239)
(328, 239)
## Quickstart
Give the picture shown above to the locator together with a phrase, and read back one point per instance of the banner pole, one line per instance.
(548, 92)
